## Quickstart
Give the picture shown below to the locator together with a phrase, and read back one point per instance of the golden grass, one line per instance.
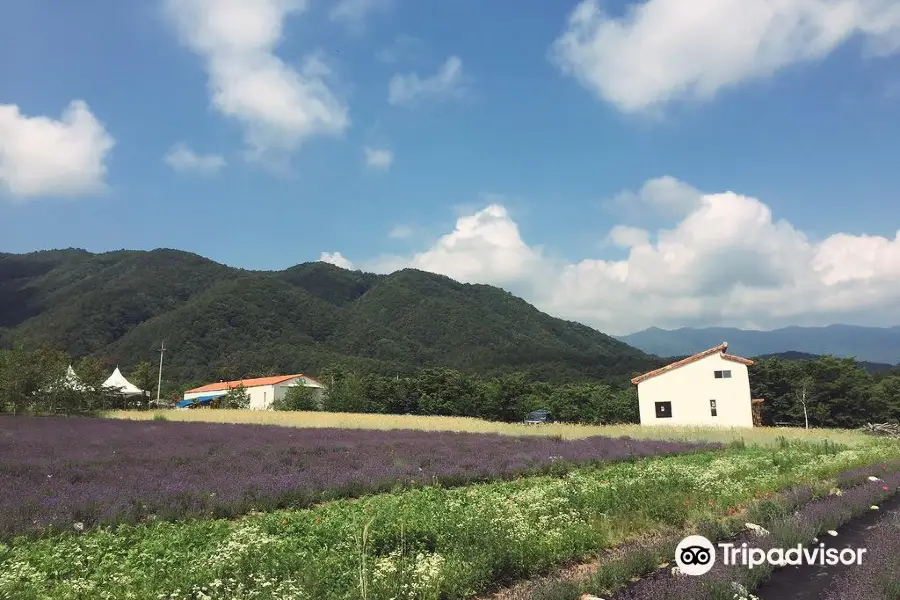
(764, 436)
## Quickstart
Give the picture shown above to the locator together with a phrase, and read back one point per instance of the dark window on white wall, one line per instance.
(712, 408)
(663, 410)
(722, 374)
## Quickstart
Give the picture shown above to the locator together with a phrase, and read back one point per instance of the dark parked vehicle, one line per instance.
(539, 417)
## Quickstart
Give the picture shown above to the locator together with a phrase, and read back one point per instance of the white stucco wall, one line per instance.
(261, 396)
(691, 387)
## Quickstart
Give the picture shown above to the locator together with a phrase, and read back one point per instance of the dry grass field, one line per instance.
(764, 436)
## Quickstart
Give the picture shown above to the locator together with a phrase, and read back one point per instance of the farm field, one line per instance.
(59, 471)
(762, 435)
(429, 543)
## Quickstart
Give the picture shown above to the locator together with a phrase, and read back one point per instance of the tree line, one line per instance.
(825, 392)
(34, 381)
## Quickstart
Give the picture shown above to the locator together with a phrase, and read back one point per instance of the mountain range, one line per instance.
(220, 322)
(871, 344)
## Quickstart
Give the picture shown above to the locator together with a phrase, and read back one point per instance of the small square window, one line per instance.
(663, 410)
(726, 374)
(712, 408)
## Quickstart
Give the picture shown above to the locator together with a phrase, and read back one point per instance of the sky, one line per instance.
(622, 164)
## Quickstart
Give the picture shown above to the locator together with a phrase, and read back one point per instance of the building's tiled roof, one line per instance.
(227, 385)
(720, 349)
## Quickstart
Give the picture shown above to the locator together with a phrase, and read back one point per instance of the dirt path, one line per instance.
(809, 582)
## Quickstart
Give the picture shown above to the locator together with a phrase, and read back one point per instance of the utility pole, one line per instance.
(162, 351)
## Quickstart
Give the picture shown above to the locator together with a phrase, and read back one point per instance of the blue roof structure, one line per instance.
(199, 401)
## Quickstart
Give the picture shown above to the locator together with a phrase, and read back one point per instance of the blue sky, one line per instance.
(560, 139)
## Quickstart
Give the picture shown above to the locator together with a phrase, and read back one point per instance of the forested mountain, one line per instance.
(221, 322)
(870, 367)
(871, 344)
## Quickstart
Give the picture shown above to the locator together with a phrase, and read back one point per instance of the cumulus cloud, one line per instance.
(663, 50)
(378, 158)
(278, 106)
(410, 89)
(335, 258)
(181, 158)
(626, 236)
(42, 156)
(662, 195)
(728, 261)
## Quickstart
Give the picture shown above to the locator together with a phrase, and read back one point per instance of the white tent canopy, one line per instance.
(118, 384)
(71, 380)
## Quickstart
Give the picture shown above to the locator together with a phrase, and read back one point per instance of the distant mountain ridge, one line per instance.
(869, 344)
(221, 322)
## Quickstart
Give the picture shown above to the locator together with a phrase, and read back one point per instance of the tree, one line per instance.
(144, 377)
(345, 392)
(802, 388)
(297, 397)
(31, 380)
(236, 398)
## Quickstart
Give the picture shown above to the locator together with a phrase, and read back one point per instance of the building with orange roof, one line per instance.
(709, 388)
(263, 391)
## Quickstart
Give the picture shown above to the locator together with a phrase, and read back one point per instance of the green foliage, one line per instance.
(143, 377)
(460, 541)
(34, 381)
(839, 392)
(303, 319)
(29, 379)
(297, 397)
(236, 398)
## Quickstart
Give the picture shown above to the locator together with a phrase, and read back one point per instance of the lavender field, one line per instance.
(55, 472)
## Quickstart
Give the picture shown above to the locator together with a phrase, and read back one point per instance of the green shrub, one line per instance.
(298, 397)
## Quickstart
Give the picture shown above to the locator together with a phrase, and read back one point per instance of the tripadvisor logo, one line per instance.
(696, 555)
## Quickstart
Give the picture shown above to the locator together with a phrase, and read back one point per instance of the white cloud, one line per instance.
(335, 258)
(410, 89)
(663, 195)
(181, 158)
(278, 106)
(626, 236)
(400, 232)
(354, 12)
(378, 158)
(726, 262)
(42, 156)
(663, 50)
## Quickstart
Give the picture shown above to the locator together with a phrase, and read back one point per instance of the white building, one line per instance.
(709, 388)
(262, 390)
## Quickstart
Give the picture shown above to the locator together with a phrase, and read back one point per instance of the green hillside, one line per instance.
(219, 321)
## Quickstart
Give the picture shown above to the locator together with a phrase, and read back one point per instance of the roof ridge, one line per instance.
(721, 348)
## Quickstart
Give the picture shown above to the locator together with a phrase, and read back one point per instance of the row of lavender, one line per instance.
(878, 578)
(56, 472)
(641, 558)
(802, 526)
